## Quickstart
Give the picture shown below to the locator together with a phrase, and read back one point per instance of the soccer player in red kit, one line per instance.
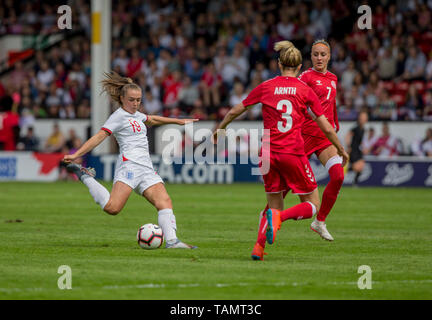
(324, 84)
(286, 101)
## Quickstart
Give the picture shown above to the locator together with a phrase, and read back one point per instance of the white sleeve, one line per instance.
(112, 124)
(143, 117)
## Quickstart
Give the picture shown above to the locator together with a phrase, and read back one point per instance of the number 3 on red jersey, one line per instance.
(285, 127)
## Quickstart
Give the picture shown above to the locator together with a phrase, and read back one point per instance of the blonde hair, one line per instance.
(289, 55)
(116, 86)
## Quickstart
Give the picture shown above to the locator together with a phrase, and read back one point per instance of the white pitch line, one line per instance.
(223, 285)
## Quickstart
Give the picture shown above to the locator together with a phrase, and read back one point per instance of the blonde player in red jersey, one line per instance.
(286, 101)
(324, 84)
(134, 169)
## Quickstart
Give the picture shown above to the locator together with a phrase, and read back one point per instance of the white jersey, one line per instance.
(131, 135)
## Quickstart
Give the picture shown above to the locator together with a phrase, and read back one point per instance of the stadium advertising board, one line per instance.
(390, 172)
(29, 166)
(402, 171)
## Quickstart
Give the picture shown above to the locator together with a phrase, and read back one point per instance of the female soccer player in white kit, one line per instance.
(134, 169)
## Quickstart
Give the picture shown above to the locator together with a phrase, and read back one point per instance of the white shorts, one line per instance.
(136, 176)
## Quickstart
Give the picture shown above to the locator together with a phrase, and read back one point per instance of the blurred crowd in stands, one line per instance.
(196, 58)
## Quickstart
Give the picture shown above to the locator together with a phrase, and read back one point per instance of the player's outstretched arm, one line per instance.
(89, 145)
(330, 133)
(234, 112)
(158, 120)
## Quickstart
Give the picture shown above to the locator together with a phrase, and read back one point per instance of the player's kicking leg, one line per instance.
(158, 196)
(86, 175)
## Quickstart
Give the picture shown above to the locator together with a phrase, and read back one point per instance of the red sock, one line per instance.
(331, 191)
(303, 210)
(262, 229)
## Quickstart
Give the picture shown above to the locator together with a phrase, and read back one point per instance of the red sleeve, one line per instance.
(313, 104)
(304, 77)
(253, 97)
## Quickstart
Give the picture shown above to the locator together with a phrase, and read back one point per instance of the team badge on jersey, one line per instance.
(129, 175)
(333, 84)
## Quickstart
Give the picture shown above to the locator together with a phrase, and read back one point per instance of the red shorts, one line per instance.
(315, 145)
(289, 172)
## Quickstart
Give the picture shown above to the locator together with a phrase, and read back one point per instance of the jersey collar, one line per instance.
(323, 73)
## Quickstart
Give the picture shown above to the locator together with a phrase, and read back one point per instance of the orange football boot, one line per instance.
(258, 252)
(273, 224)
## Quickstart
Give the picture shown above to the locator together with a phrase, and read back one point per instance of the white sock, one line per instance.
(99, 193)
(167, 221)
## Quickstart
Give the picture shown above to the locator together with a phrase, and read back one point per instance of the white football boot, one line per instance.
(320, 228)
(177, 244)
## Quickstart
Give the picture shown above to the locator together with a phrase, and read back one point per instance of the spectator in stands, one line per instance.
(18, 75)
(415, 64)
(369, 140)
(211, 85)
(55, 141)
(83, 110)
(134, 65)
(198, 111)
(27, 118)
(9, 124)
(426, 145)
(428, 72)
(427, 111)
(386, 145)
(45, 76)
(260, 71)
(386, 108)
(413, 107)
(29, 142)
(188, 94)
(120, 61)
(387, 65)
(347, 111)
(347, 78)
(184, 36)
(151, 104)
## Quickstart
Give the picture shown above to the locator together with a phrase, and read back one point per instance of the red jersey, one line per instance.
(8, 120)
(324, 85)
(286, 102)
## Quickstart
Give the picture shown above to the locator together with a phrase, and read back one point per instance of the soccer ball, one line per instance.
(150, 236)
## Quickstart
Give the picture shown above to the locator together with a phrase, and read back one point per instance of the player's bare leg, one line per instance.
(159, 198)
(119, 195)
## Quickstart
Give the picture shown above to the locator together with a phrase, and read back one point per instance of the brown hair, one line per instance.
(116, 86)
(289, 55)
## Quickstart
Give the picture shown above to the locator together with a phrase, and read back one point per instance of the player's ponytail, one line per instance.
(289, 55)
(116, 86)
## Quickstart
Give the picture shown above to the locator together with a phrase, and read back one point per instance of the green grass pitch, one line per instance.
(386, 229)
